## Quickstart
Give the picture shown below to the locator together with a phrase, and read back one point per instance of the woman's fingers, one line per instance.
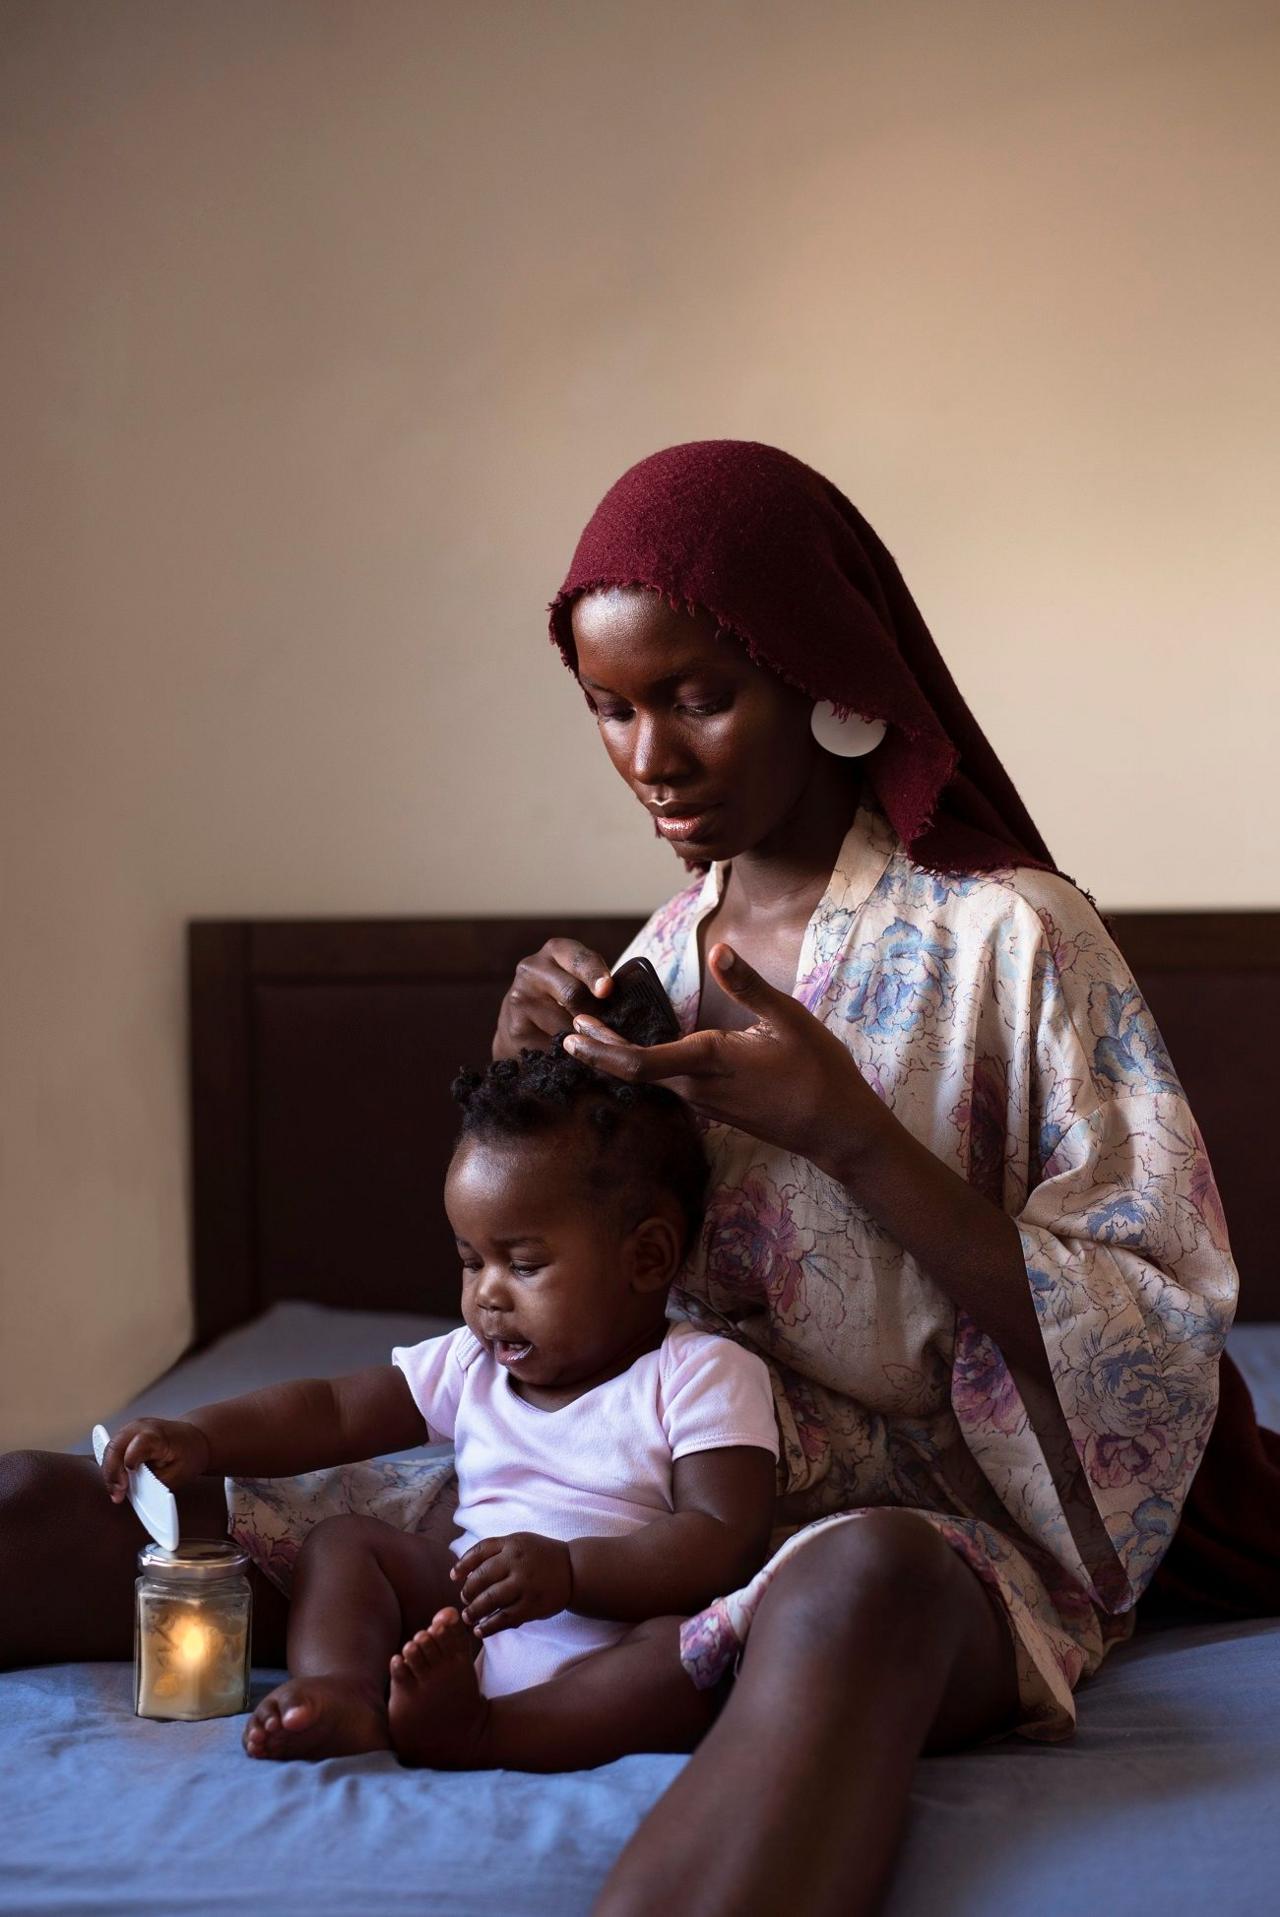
(549, 986)
(696, 1056)
(699, 1054)
(582, 964)
(543, 1019)
(743, 982)
(588, 1026)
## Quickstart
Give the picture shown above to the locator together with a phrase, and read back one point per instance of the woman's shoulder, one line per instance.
(1042, 948)
(1047, 906)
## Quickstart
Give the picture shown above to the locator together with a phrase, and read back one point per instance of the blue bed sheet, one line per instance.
(1166, 1800)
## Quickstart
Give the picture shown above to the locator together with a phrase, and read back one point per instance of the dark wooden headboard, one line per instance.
(322, 1051)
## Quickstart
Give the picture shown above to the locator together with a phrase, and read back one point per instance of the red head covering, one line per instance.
(790, 569)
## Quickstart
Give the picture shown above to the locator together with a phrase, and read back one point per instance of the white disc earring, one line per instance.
(850, 736)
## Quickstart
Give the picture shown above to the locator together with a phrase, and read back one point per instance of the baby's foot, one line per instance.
(436, 1713)
(317, 1717)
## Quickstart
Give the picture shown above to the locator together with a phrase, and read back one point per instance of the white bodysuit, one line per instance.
(600, 1466)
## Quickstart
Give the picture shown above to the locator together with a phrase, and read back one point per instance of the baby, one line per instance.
(615, 1470)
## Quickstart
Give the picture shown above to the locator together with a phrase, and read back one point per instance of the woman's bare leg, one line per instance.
(874, 1643)
(359, 1587)
(69, 1557)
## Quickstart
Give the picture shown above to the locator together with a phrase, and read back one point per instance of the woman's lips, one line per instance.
(685, 825)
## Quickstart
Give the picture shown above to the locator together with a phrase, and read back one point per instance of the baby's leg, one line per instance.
(359, 1586)
(68, 1559)
(636, 1696)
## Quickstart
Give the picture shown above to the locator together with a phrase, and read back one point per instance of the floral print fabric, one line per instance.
(994, 1015)
(270, 1517)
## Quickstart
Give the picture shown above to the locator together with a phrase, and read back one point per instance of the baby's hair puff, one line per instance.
(644, 1138)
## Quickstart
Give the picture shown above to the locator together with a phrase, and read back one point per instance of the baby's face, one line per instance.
(545, 1274)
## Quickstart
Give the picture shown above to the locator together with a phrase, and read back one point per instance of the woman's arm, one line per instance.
(789, 1081)
(969, 1247)
(275, 1433)
(715, 1540)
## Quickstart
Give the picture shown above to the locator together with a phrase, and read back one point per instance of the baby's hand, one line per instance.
(175, 1451)
(507, 1581)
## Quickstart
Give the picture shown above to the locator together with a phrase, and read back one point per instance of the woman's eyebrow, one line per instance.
(663, 684)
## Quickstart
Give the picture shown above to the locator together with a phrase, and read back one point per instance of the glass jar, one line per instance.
(192, 1640)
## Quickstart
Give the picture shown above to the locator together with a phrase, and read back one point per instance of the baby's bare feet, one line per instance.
(437, 1715)
(317, 1717)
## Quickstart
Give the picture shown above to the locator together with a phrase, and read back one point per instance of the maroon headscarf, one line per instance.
(785, 565)
(790, 569)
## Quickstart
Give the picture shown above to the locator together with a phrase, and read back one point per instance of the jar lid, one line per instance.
(205, 1559)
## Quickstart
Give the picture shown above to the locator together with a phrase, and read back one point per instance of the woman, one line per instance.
(962, 1207)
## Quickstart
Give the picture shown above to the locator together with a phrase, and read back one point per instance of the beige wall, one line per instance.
(326, 325)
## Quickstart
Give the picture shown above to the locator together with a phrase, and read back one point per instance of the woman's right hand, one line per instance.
(549, 991)
(177, 1452)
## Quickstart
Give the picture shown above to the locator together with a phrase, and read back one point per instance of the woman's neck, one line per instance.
(787, 873)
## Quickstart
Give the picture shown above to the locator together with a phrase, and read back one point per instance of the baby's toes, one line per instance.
(420, 1654)
(450, 1635)
(445, 1628)
(408, 1664)
(260, 1728)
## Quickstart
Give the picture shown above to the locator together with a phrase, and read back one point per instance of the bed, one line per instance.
(320, 1056)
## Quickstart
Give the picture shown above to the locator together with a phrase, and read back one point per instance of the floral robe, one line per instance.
(995, 1017)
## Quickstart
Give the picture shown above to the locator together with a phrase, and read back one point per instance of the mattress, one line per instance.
(1165, 1799)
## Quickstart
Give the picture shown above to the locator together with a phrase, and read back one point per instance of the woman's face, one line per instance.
(716, 748)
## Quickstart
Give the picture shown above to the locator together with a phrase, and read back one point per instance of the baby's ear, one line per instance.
(655, 1250)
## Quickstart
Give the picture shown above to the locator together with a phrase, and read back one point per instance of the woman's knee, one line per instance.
(21, 1475)
(34, 1484)
(888, 1573)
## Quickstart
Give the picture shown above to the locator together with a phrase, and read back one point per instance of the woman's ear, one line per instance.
(655, 1252)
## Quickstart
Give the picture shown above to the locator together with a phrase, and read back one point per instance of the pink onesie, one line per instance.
(598, 1467)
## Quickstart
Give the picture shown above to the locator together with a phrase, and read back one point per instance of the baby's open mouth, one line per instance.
(510, 1354)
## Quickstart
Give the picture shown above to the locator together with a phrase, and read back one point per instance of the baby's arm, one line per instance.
(275, 1433)
(715, 1540)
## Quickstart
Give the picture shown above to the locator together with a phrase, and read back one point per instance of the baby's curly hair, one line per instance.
(645, 1139)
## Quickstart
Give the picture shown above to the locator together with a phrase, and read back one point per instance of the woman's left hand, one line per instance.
(785, 1079)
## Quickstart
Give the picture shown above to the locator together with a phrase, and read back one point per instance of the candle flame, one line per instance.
(191, 1642)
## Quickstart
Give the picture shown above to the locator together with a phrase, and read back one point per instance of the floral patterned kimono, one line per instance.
(998, 1021)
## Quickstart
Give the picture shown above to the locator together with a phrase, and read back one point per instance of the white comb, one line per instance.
(154, 1502)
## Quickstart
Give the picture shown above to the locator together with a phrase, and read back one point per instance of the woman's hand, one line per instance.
(785, 1078)
(177, 1452)
(549, 988)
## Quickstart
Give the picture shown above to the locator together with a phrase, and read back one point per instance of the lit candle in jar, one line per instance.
(192, 1638)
